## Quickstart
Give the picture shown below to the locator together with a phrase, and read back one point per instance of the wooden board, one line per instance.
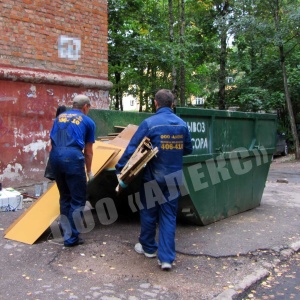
(123, 138)
(35, 220)
(111, 161)
(143, 153)
(111, 164)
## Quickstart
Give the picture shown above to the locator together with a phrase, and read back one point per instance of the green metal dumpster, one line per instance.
(227, 171)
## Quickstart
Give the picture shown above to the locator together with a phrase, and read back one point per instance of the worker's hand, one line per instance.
(121, 182)
(90, 175)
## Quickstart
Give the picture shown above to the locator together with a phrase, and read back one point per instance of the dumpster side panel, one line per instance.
(266, 134)
(217, 195)
(228, 176)
(231, 133)
(106, 120)
(201, 202)
(260, 175)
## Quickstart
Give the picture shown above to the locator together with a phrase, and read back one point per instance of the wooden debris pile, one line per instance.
(143, 153)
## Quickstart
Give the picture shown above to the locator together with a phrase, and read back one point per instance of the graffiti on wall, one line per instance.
(99, 99)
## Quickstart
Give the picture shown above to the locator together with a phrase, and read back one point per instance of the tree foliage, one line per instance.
(233, 53)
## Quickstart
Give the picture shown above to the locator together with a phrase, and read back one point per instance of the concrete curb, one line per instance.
(243, 285)
(258, 275)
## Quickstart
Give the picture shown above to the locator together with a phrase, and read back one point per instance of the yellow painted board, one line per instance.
(115, 160)
(101, 157)
(35, 220)
(98, 155)
(40, 215)
(101, 144)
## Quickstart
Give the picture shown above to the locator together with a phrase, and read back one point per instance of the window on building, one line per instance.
(230, 80)
(199, 101)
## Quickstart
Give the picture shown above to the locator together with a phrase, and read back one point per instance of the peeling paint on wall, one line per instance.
(18, 135)
(32, 92)
(12, 172)
(25, 123)
(35, 147)
(8, 99)
(99, 99)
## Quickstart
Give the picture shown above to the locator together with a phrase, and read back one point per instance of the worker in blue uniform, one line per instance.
(72, 137)
(159, 194)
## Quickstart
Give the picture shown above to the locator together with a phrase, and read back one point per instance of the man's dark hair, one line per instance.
(164, 98)
(60, 109)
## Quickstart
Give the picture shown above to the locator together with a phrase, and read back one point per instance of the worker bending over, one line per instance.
(72, 137)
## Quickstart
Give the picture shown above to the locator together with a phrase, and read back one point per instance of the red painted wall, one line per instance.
(26, 117)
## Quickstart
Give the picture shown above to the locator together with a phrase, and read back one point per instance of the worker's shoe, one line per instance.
(164, 265)
(139, 249)
(79, 242)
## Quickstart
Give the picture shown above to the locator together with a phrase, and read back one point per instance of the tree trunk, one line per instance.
(286, 87)
(118, 103)
(171, 32)
(141, 100)
(182, 56)
(153, 91)
(223, 58)
(141, 92)
(222, 72)
(289, 104)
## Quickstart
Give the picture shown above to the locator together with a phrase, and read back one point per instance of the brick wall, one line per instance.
(50, 50)
(31, 30)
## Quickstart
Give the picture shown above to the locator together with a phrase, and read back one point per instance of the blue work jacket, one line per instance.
(170, 135)
(72, 129)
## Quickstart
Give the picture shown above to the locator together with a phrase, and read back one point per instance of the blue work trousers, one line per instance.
(69, 170)
(164, 214)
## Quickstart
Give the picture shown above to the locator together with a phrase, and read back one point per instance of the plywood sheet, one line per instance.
(35, 220)
(103, 161)
(111, 164)
(103, 154)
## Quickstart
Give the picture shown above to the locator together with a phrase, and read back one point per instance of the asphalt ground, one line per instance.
(217, 261)
(282, 283)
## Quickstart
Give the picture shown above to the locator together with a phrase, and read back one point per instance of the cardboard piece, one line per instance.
(105, 138)
(35, 220)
